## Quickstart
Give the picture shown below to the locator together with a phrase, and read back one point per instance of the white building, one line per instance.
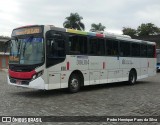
(3, 56)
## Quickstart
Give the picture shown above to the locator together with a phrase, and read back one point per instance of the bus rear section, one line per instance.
(151, 53)
(158, 59)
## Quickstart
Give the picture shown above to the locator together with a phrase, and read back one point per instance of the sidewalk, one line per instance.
(4, 70)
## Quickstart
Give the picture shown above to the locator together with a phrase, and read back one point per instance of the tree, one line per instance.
(74, 22)
(147, 29)
(4, 37)
(97, 27)
(129, 31)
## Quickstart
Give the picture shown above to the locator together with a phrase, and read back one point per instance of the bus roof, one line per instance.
(96, 34)
(102, 35)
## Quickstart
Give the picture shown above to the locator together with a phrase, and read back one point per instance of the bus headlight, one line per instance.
(38, 74)
(34, 77)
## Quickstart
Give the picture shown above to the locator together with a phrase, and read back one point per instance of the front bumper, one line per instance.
(35, 84)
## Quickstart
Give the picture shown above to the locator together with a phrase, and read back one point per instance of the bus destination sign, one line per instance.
(27, 31)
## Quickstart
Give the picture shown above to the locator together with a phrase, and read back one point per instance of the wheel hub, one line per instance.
(74, 83)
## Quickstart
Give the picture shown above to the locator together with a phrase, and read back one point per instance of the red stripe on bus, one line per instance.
(99, 35)
(104, 65)
(155, 55)
(21, 75)
(68, 65)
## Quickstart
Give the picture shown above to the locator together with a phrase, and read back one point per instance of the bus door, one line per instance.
(112, 61)
(114, 73)
(95, 68)
(152, 60)
(96, 60)
(143, 60)
(126, 61)
(55, 57)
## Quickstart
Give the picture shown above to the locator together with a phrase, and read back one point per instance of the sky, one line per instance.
(114, 14)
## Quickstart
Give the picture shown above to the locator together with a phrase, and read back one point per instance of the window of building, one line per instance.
(2, 46)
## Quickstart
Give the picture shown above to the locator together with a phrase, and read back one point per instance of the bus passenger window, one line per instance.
(56, 46)
(111, 48)
(97, 46)
(124, 48)
(77, 44)
(135, 49)
(101, 47)
(143, 50)
(150, 51)
(93, 46)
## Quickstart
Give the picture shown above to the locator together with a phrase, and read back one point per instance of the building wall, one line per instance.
(3, 57)
(4, 61)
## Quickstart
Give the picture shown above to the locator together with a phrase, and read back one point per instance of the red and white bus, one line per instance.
(48, 57)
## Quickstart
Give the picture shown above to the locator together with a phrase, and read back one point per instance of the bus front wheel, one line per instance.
(74, 83)
(132, 77)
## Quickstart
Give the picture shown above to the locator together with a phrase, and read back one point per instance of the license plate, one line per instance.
(18, 82)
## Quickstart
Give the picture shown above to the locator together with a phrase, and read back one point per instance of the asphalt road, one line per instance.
(116, 99)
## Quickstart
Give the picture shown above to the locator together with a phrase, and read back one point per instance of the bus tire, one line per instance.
(132, 77)
(74, 83)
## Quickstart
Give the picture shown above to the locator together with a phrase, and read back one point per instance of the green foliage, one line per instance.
(4, 37)
(142, 30)
(147, 29)
(74, 22)
(97, 27)
(129, 31)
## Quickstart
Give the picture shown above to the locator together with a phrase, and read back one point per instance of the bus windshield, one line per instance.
(158, 58)
(27, 51)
